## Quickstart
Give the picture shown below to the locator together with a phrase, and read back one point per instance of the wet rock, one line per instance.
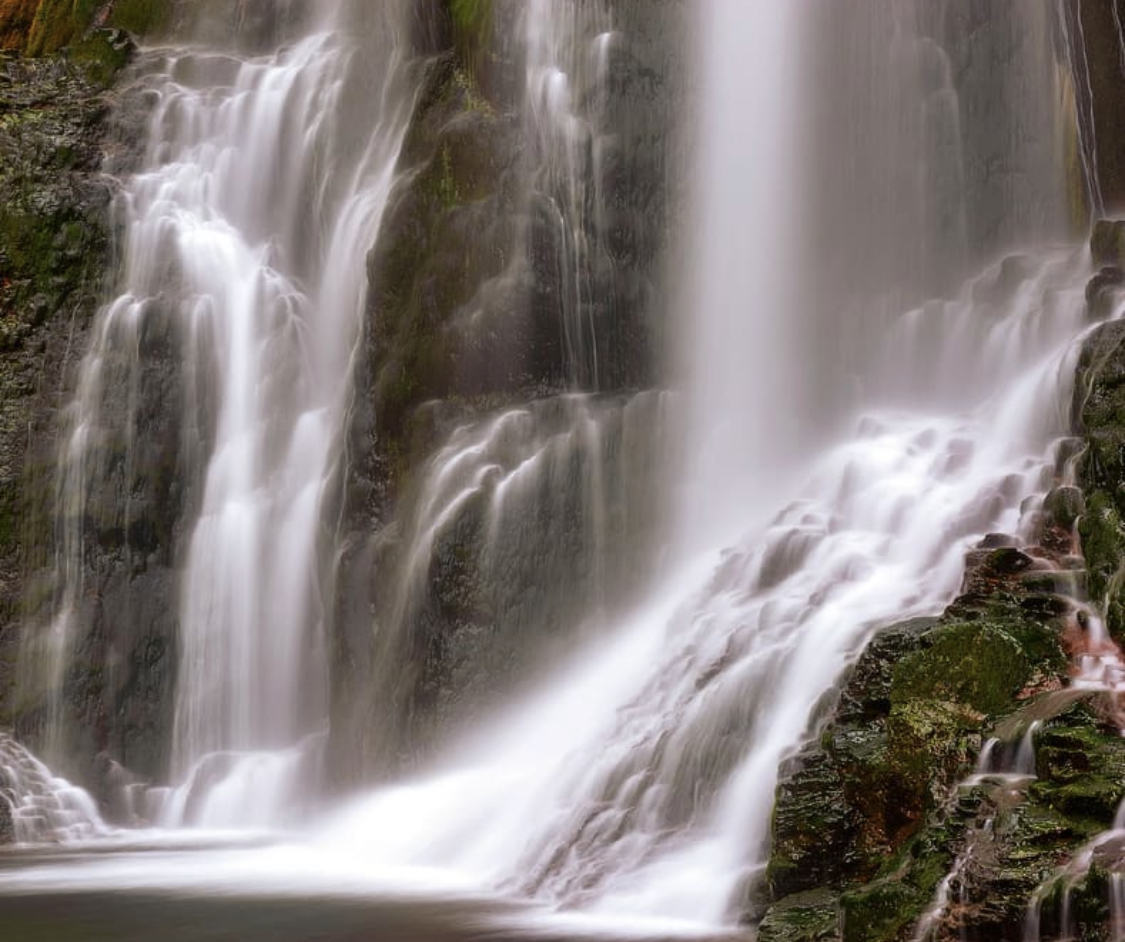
(7, 825)
(987, 570)
(1063, 506)
(58, 124)
(1066, 451)
(877, 786)
(1107, 243)
(483, 270)
(803, 917)
(1099, 416)
(1103, 292)
(1012, 272)
(1068, 582)
(996, 541)
(54, 255)
(882, 910)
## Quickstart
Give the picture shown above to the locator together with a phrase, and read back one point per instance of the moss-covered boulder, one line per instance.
(870, 813)
(803, 917)
(1099, 416)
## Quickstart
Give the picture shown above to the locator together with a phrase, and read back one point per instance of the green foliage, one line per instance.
(101, 55)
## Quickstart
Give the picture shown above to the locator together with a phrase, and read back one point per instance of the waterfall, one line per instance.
(275, 253)
(839, 468)
(874, 335)
(243, 276)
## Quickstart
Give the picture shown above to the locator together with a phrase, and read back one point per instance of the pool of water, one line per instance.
(211, 889)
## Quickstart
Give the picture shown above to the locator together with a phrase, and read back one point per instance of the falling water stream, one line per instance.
(837, 470)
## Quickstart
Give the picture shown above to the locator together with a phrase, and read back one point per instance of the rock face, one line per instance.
(498, 281)
(1099, 86)
(494, 283)
(1099, 413)
(64, 138)
(54, 261)
(872, 818)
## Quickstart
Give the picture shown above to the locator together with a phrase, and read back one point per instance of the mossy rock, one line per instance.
(102, 54)
(1099, 415)
(1080, 764)
(881, 911)
(813, 827)
(803, 917)
(973, 664)
(143, 18)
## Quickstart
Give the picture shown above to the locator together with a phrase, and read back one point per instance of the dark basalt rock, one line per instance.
(465, 317)
(1063, 506)
(869, 820)
(1103, 291)
(54, 256)
(7, 825)
(1107, 243)
(58, 125)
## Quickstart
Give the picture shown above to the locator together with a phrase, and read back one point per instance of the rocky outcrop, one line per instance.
(1095, 35)
(879, 811)
(879, 831)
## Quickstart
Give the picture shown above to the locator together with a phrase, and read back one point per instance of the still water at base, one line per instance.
(208, 888)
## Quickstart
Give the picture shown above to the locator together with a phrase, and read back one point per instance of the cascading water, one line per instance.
(36, 806)
(246, 231)
(640, 778)
(643, 782)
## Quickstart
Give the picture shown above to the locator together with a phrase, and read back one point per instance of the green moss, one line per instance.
(472, 20)
(880, 911)
(803, 917)
(102, 54)
(141, 17)
(1081, 769)
(1103, 545)
(969, 663)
